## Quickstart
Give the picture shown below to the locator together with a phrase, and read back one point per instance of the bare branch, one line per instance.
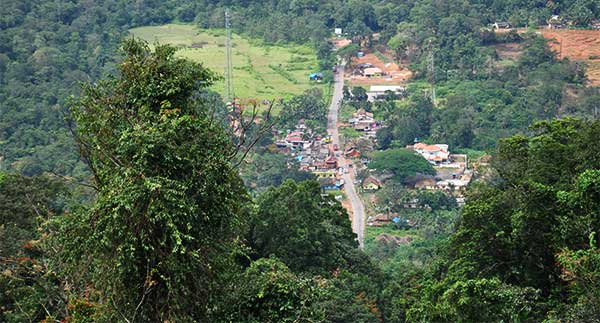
(242, 148)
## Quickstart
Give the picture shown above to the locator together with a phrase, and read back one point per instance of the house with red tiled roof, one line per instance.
(435, 154)
(331, 161)
(352, 152)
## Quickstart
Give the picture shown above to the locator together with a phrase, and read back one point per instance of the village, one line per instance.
(316, 153)
(383, 77)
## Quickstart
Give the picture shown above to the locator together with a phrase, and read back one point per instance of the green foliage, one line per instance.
(580, 269)
(28, 290)
(309, 106)
(271, 170)
(351, 297)
(168, 205)
(394, 196)
(406, 123)
(402, 163)
(479, 300)
(544, 203)
(269, 292)
(309, 232)
(26, 203)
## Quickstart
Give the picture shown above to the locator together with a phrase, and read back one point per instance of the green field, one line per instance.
(260, 71)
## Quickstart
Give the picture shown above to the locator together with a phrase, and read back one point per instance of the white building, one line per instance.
(434, 154)
(377, 91)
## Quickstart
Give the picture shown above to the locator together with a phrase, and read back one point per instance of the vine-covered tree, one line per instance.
(167, 212)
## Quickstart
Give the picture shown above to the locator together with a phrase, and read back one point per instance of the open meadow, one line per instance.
(260, 71)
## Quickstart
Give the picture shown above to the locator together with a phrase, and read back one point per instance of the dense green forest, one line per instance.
(121, 198)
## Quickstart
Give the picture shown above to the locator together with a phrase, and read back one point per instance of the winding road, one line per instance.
(358, 208)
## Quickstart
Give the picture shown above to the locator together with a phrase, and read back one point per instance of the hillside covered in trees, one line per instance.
(125, 196)
(48, 47)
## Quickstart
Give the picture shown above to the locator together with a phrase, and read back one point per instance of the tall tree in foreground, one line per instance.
(159, 235)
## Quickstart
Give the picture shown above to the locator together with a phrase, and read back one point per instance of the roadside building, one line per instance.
(371, 184)
(330, 184)
(351, 152)
(372, 72)
(378, 91)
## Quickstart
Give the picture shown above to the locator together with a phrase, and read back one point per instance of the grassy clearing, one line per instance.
(260, 71)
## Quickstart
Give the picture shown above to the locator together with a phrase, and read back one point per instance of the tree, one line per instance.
(26, 203)
(347, 52)
(480, 300)
(536, 53)
(308, 106)
(402, 163)
(272, 169)
(167, 212)
(359, 94)
(541, 208)
(269, 291)
(581, 12)
(308, 232)
(28, 290)
(581, 270)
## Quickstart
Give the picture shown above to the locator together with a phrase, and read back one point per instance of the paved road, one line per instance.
(358, 209)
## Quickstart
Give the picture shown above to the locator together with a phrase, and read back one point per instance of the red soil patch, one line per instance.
(340, 42)
(393, 74)
(578, 45)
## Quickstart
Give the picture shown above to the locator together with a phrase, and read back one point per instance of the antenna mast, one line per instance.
(431, 70)
(229, 96)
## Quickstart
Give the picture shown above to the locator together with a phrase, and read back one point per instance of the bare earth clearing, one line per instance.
(578, 45)
(393, 74)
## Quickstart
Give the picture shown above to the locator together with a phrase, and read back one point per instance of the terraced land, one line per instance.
(260, 71)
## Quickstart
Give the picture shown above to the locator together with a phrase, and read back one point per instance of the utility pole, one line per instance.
(561, 46)
(229, 94)
(431, 70)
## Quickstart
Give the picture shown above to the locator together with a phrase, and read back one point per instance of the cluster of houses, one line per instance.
(454, 178)
(363, 121)
(314, 153)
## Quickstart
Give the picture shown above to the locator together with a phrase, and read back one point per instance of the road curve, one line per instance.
(358, 208)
